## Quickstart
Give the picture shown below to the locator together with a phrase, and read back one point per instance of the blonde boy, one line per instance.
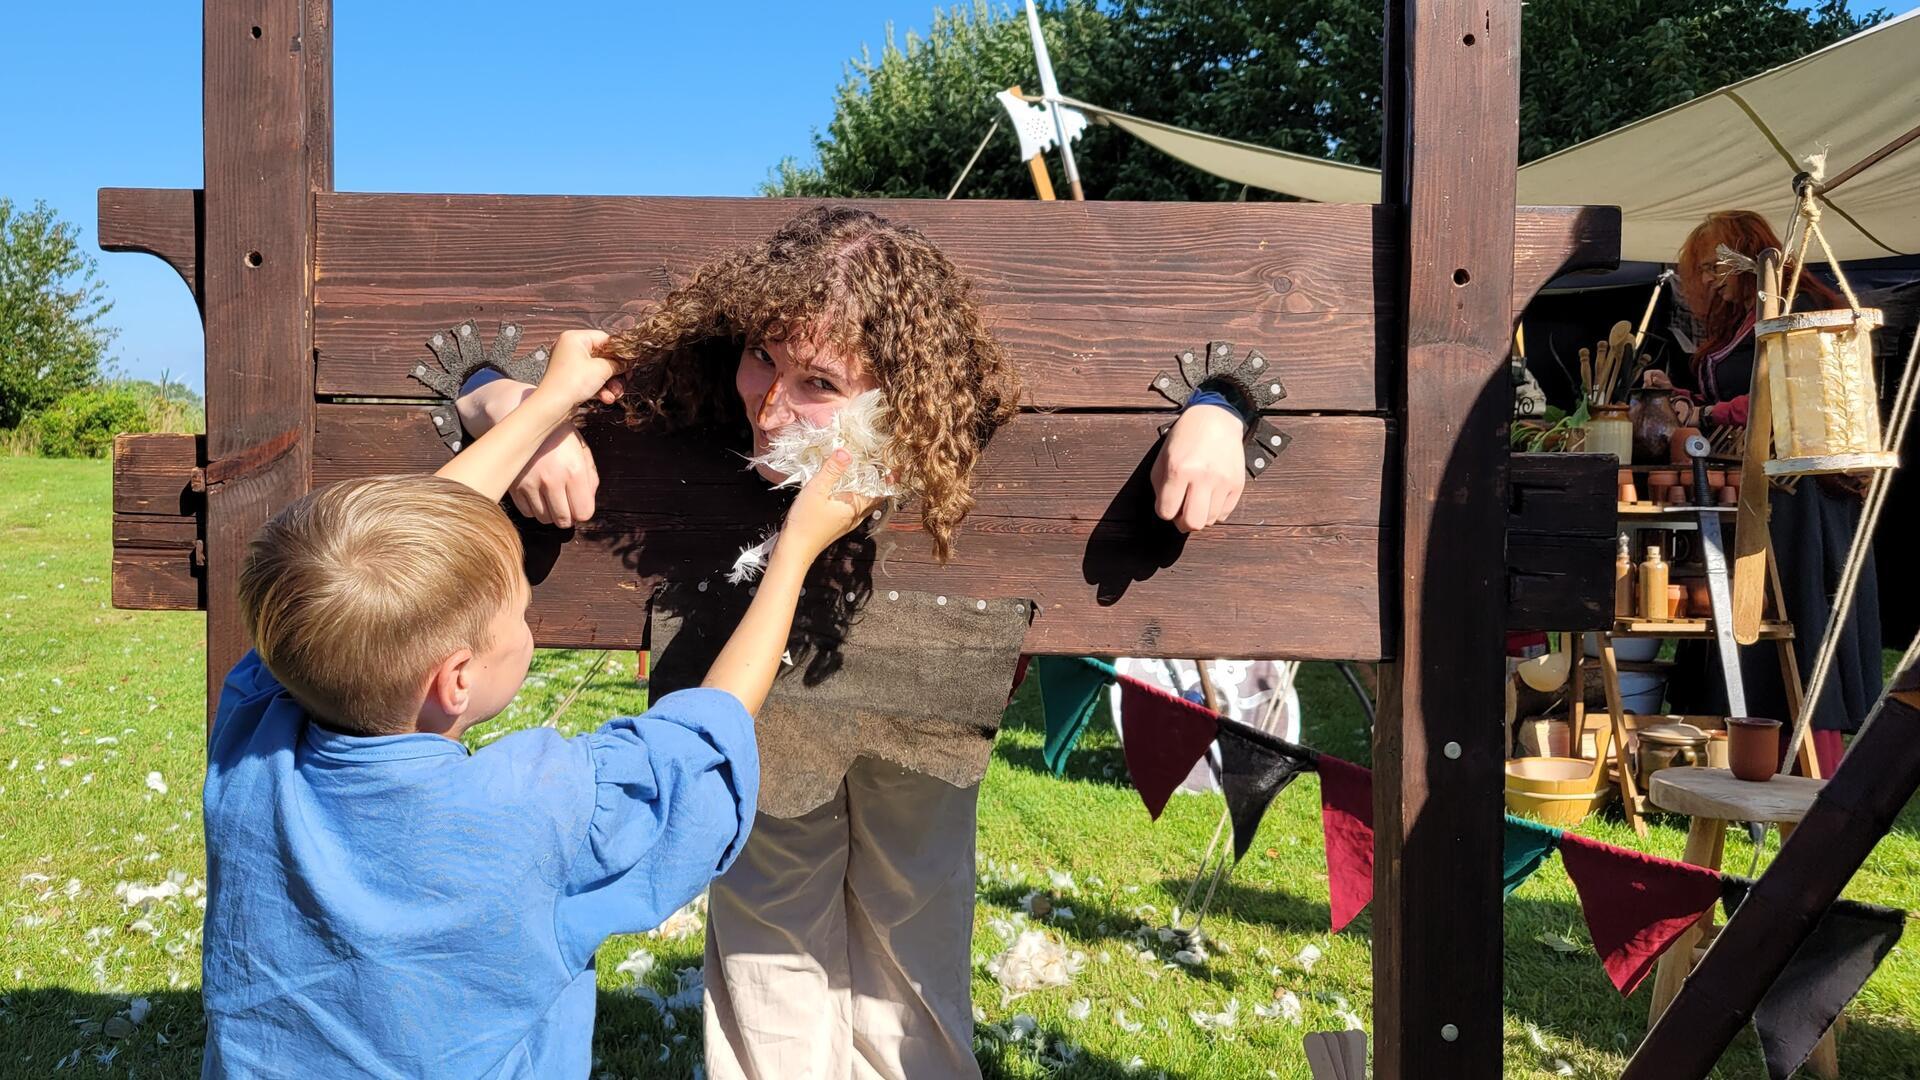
(383, 902)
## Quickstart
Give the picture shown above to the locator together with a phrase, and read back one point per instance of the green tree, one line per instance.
(1298, 75)
(52, 337)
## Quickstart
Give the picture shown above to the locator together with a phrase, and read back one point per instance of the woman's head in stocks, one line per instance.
(837, 302)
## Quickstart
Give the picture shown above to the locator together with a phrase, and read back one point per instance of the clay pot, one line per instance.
(1677, 446)
(1655, 415)
(1666, 746)
(1629, 494)
(1716, 478)
(1659, 480)
(1676, 496)
(1699, 598)
(1729, 496)
(1716, 749)
(1753, 747)
(1676, 601)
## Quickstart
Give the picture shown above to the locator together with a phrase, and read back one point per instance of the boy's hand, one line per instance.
(1201, 470)
(576, 370)
(818, 518)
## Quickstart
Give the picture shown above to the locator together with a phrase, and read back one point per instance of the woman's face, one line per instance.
(1728, 283)
(780, 382)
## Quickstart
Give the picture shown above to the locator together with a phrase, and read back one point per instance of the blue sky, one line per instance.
(593, 97)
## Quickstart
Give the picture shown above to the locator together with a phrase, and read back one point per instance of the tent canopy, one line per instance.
(1737, 148)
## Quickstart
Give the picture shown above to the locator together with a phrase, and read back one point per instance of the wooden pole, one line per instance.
(1452, 133)
(268, 143)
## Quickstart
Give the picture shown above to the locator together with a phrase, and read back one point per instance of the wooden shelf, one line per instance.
(1691, 628)
(1650, 510)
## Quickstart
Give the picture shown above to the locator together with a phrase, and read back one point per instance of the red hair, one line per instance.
(1749, 234)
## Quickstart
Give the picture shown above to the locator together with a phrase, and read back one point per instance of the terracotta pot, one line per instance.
(1729, 496)
(1699, 598)
(1659, 480)
(1677, 446)
(1716, 749)
(1753, 747)
(1676, 496)
(1676, 601)
(1629, 493)
(1716, 478)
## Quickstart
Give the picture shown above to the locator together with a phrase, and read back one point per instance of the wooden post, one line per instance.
(268, 92)
(1452, 136)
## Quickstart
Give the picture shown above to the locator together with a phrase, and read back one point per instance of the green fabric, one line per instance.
(1069, 689)
(1527, 845)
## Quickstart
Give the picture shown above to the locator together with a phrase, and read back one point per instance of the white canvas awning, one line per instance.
(1737, 148)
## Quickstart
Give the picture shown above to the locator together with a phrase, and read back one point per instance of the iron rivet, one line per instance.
(1274, 389)
(1019, 607)
(753, 590)
(982, 605)
(1259, 463)
(1275, 440)
(1162, 382)
(512, 330)
(1452, 750)
(941, 600)
(439, 421)
(456, 447)
(702, 586)
(891, 595)
(419, 369)
(803, 590)
(1449, 1032)
(465, 331)
(1258, 363)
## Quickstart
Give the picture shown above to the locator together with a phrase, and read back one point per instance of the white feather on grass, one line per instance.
(801, 449)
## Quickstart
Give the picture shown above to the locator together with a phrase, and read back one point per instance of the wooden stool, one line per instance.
(1712, 798)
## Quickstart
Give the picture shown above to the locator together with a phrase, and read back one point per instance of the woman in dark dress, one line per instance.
(1812, 525)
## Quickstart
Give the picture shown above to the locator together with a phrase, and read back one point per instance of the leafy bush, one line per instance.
(84, 422)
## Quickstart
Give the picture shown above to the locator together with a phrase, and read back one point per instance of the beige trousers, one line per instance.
(840, 944)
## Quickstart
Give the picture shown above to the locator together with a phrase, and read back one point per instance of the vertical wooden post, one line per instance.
(268, 89)
(1451, 92)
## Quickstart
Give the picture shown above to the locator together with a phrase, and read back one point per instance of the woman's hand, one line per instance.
(818, 517)
(1202, 468)
(558, 486)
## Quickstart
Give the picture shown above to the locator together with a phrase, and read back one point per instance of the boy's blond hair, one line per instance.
(353, 593)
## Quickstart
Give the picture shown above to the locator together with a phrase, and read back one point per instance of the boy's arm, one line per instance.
(491, 462)
(751, 657)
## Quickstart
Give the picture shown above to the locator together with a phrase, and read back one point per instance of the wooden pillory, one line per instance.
(1391, 529)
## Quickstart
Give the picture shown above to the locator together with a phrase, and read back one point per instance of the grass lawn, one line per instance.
(101, 869)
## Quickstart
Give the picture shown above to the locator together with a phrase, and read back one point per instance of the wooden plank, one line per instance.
(158, 221)
(153, 473)
(1064, 519)
(156, 579)
(267, 142)
(1452, 126)
(1092, 299)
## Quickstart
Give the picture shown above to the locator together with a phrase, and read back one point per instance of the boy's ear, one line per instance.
(451, 685)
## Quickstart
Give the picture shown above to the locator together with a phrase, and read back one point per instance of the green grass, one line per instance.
(93, 700)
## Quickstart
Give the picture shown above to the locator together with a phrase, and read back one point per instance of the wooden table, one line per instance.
(1713, 798)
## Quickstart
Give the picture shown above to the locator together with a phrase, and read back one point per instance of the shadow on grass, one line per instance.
(1003, 1061)
(1095, 921)
(46, 1030)
(1278, 908)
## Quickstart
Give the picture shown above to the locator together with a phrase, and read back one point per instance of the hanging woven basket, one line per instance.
(1826, 408)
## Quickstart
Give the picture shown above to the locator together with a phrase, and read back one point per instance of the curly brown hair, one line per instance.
(883, 294)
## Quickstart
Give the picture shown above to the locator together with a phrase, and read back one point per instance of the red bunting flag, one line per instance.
(1163, 736)
(1346, 815)
(1635, 904)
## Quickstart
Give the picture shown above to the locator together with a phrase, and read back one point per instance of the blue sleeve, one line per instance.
(674, 797)
(244, 697)
(1205, 396)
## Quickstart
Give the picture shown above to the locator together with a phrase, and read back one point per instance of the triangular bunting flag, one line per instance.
(1163, 737)
(1069, 689)
(1254, 767)
(1346, 816)
(1826, 971)
(1527, 844)
(1019, 675)
(1635, 904)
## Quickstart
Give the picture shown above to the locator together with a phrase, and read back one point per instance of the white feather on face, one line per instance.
(800, 449)
(861, 428)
